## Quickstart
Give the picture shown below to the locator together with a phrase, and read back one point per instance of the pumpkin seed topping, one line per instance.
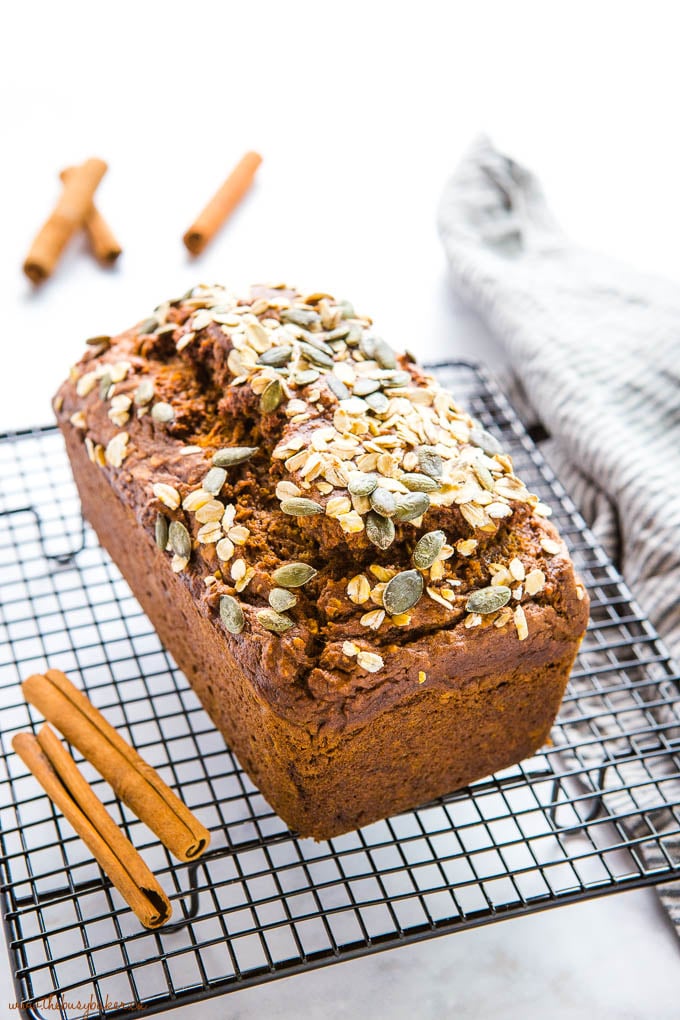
(317, 357)
(298, 506)
(276, 357)
(402, 592)
(275, 622)
(148, 326)
(231, 614)
(300, 316)
(379, 530)
(363, 387)
(411, 505)
(99, 341)
(419, 483)
(378, 402)
(230, 456)
(179, 538)
(271, 397)
(383, 502)
(384, 355)
(337, 387)
(428, 548)
(280, 599)
(105, 384)
(361, 484)
(293, 575)
(488, 600)
(429, 462)
(161, 531)
(488, 443)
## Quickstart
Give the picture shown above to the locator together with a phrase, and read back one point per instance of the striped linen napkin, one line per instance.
(595, 352)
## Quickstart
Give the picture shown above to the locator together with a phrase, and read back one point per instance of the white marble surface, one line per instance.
(360, 112)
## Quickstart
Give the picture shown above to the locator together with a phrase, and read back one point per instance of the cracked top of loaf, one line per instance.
(326, 501)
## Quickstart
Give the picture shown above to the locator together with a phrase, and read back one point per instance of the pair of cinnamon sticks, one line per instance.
(74, 209)
(133, 780)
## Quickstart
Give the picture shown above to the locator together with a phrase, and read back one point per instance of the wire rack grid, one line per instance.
(596, 812)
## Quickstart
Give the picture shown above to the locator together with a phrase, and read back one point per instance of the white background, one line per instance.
(360, 112)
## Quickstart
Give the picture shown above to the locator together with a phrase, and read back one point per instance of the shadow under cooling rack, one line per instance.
(598, 811)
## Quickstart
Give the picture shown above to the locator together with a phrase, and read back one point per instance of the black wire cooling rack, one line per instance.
(596, 812)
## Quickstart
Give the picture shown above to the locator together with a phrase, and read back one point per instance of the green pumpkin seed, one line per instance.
(273, 621)
(379, 530)
(362, 387)
(99, 341)
(300, 317)
(105, 384)
(419, 483)
(398, 379)
(411, 505)
(276, 357)
(346, 309)
(315, 356)
(339, 333)
(214, 480)
(280, 599)
(231, 614)
(170, 327)
(367, 346)
(488, 600)
(271, 397)
(488, 443)
(337, 387)
(377, 402)
(162, 412)
(428, 548)
(298, 506)
(318, 344)
(362, 484)
(180, 540)
(384, 355)
(293, 575)
(148, 326)
(354, 336)
(230, 456)
(429, 462)
(383, 502)
(402, 592)
(161, 531)
(306, 376)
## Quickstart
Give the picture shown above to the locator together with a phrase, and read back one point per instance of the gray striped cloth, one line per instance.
(595, 351)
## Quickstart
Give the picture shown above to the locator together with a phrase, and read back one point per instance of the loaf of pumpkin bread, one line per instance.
(369, 603)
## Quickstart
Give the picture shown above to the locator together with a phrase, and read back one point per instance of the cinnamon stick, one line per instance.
(102, 240)
(54, 768)
(222, 204)
(133, 780)
(68, 214)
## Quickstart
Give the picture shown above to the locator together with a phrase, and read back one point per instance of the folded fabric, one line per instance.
(596, 349)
